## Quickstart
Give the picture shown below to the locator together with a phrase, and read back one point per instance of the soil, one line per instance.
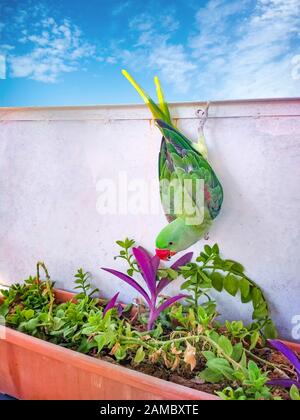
(186, 378)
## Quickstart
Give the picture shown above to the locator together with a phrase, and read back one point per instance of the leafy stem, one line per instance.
(39, 265)
(126, 254)
(279, 368)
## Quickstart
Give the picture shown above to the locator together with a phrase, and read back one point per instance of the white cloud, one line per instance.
(172, 63)
(153, 50)
(244, 55)
(233, 49)
(53, 49)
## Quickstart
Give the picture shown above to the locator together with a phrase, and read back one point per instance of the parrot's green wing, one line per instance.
(179, 160)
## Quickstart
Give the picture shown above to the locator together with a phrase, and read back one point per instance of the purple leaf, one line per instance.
(147, 268)
(155, 261)
(129, 281)
(111, 304)
(185, 259)
(288, 353)
(162, 284)
(284, 383)
(168, 303)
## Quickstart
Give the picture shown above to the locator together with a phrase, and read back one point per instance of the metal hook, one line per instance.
(202, 114)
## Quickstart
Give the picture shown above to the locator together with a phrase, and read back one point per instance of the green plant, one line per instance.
(82, 282)
(191, 318)
(228, 361)
(294, 393)
(253, 385)
(126, 254)
(184, 338)
(148, 267)
(213, 272)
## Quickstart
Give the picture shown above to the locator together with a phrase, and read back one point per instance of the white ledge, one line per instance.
(255, 108)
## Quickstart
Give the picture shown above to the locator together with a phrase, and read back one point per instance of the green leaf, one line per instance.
(238, 267)
(257, 297)
(209, 355)
(101, 341)
(253, 371)
(186, 285)
(185, 268)
(129, 243)
(243, 361)
(254, 339)
(270, 330)
(120, 354)
(172, 274)
(217, 281)
(225, 345)
(121, 244)
(231, 284)
(228, 264)
(216, 249)
(207, 250)
(213, 335)
(261, 312)
(4, 309)
(158, 331)
(247, 299)
(205, 282)
(294, 393)
(245, 287)
(139, 356)
(30, 325)
(211, 377)
(221, 366)
(237, 352)
(85, 345)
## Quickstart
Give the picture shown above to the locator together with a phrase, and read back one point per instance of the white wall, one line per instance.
(51, 160)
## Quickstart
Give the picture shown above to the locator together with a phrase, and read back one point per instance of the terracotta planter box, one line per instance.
(34, 369)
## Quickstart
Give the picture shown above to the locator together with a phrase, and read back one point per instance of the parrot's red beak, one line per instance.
(164, 254)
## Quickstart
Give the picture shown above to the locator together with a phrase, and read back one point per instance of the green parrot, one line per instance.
(190, 191)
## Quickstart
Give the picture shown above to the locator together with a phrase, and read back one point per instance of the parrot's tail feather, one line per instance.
(161, 99)
(157, 112)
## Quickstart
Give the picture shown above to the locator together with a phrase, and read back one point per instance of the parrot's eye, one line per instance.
(170, 243)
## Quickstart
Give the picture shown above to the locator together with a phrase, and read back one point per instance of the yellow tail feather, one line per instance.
(159, 112)
(136, 86)
(161, 99)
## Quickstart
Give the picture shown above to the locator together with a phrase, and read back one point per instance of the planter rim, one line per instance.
(106, 369)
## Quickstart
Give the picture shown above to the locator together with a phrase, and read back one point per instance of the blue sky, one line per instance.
(70, 52)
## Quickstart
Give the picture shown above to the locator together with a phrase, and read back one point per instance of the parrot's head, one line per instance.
(171, 240)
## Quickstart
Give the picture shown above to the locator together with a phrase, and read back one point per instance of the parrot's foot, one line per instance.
(206, 236)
